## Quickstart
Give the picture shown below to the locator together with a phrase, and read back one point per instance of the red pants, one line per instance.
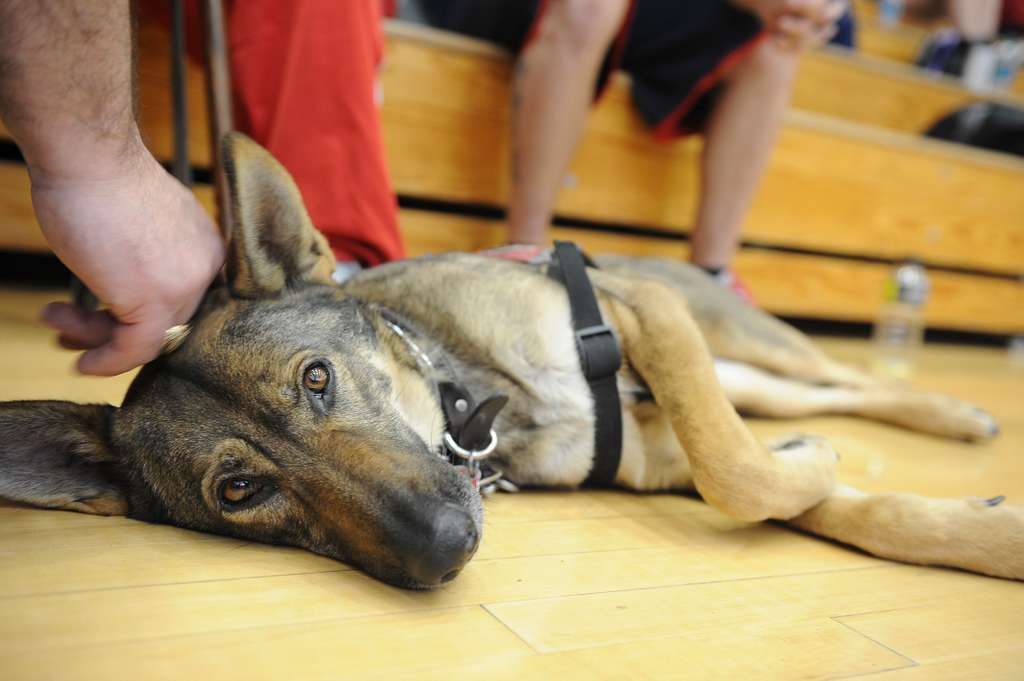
(304, 77)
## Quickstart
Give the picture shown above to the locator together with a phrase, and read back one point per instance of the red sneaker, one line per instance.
(731, 281)
(527, 253)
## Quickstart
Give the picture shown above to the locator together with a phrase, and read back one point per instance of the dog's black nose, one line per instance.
(452, 542)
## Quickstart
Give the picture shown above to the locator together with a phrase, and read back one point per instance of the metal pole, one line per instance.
(218, 88)
(179, 94)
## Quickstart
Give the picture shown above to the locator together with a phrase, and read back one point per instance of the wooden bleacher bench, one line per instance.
(875, 91)
(841, 198)
(901, 43)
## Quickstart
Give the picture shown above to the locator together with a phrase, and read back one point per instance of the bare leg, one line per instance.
(552, 92)
(737, 145)
(972, 534)
(976, 19)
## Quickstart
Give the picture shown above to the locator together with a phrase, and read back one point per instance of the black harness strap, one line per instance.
(600, 359)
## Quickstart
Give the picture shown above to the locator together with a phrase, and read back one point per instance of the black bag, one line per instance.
(988, 125)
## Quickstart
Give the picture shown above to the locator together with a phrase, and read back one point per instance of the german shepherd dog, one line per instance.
(300, 412)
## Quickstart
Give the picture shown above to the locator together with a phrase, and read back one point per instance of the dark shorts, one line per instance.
(676, 51)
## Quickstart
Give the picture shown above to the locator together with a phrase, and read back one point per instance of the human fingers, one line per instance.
(817, 11)
(826, 28)
(79, 328)
(821, 36)
(130, 345)
(834, 11)
(795, 28)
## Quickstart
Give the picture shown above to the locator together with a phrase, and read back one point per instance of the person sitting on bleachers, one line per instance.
(712, 66)
(984, 45)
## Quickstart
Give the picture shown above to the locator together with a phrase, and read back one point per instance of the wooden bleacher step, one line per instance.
(901, 43)
(791, 284)
(832, 186)
(785, 283)
(861, 88)
(836, 189)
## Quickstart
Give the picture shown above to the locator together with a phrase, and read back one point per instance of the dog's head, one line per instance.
(290, 414)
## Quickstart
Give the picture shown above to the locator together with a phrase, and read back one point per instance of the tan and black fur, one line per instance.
(353, 471)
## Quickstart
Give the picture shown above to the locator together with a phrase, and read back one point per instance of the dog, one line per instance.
(299, 412)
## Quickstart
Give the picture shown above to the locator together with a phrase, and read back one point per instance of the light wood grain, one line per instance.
(1005, 665)
(901, 42)
(784, 283)
(155, 103)
(831, 186)
(996, 623)
(596, 620)
(593, 584)
(19, 230)
(877, 91)
(380, 647)
(819, 650)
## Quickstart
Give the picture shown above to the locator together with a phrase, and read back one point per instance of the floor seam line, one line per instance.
(505, 624)
(909, 659)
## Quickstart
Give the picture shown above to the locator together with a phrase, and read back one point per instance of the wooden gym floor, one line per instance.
(588, 585)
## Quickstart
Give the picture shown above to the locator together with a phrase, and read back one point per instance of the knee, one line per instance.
(770, 62)
(583, 25)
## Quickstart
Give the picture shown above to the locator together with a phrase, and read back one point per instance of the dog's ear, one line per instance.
(273, 242)
(58, 455)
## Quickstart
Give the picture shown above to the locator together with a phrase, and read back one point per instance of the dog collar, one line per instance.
(469, 437)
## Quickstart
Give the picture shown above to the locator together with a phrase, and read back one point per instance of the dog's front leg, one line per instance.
(980, 535)
(730, 468)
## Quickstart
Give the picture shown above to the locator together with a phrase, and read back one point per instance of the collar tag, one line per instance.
(470, 435)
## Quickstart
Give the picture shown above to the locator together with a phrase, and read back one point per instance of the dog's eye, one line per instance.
(235, 491)
(316, 378)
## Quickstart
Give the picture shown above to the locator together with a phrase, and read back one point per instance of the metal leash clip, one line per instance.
(472, 458)
(486, 482)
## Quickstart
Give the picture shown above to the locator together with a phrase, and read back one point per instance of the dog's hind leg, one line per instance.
(737, 331)
(980, 535)
(760, 393)
(730, 468)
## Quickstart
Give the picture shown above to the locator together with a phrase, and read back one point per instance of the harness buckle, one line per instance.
(599, 351)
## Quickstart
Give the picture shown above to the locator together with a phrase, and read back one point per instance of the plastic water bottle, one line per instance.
(890, 12)
(899, 330)
(1015, 348)
(980, 67)
(1009, 57)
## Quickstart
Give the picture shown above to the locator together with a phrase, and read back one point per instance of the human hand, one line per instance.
(797, 24)
(141, 242)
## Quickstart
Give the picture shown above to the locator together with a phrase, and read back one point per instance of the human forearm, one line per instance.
(66, 79)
